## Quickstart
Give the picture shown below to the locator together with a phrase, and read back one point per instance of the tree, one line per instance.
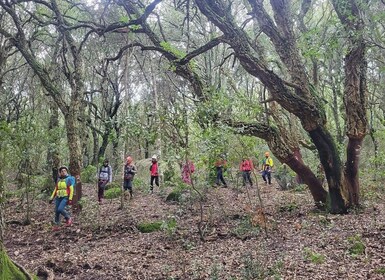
(298, 95)
(72, 70)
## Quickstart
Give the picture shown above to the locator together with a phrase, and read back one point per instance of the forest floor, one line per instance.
(292, 240)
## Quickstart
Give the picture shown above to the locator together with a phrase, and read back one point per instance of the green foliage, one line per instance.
(380, 270)
(300, 188)
(169, 172)
(169, 226)
(113, 185)
(313, 257)
(8, 269)
(289, 207)
(88, 174)
(112, 193)
(252, 269)
(149, 227)
(245, 229)
(175, 195)
(171, 49)
(356, 245)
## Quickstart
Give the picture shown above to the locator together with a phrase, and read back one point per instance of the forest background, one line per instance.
(82, 81)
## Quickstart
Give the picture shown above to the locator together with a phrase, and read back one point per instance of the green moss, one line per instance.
(149, 227)
(7, 269)
(174, 195)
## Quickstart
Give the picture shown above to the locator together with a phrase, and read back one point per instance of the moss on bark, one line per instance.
(8, 270)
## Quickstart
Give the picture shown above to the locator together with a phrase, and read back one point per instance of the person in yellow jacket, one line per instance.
(63, 193)
(267, 165)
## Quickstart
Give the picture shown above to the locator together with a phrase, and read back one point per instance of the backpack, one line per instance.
(102, 170)
(129, 172)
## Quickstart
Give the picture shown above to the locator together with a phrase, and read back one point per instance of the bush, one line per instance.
(89, 174)
(113, 185)
(175, 195)
(112, 193)
(149, 227)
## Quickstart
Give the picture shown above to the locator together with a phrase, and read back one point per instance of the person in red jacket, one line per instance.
(154, 172)
(246, 166)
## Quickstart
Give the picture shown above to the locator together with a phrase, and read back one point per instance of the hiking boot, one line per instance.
(69, 222)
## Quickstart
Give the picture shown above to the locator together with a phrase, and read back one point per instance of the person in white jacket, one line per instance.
(105, 177)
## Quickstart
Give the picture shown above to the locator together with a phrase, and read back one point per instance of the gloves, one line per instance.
(69, 202)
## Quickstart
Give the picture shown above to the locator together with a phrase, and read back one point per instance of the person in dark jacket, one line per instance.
(220, 166)
(129, 173)
(105, 177)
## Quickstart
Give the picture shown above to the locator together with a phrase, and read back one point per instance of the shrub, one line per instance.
(175, 195)
(112, 193)
(149, 227)
(89, 174)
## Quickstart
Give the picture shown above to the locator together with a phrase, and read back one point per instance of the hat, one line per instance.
(267, 154)
(154, 157)
(63, 167)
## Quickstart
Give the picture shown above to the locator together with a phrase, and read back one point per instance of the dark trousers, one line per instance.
(156, 179)
(266, 175)
(101, 187)
(246, 175)
(220, 178)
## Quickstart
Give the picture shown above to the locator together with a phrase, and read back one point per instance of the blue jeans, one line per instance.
(60, 204)
(266, 175)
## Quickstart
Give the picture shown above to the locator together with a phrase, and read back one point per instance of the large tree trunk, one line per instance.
(331, 163)
(355, 91)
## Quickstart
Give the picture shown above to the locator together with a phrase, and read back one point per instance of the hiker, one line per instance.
(246, 166)
(154, 172)
(105, 177)
(129, 173)
(63, 193)
(267, 165)
(220, 165)
(188, 168)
